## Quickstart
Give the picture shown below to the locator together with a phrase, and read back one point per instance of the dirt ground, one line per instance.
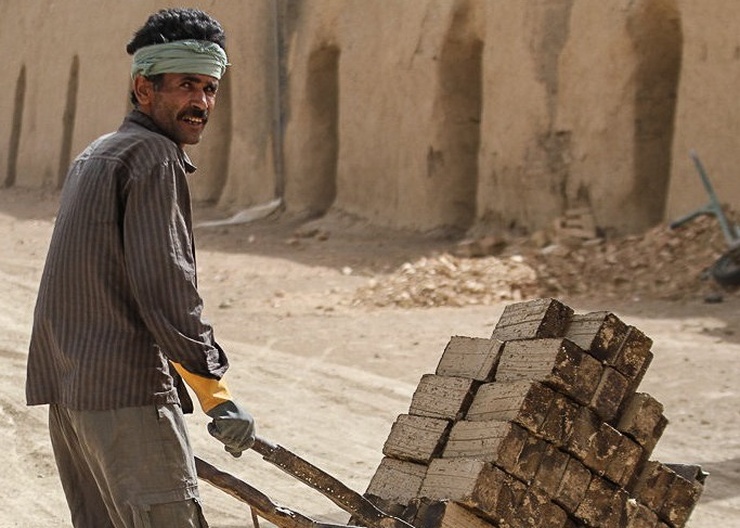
(326, 375)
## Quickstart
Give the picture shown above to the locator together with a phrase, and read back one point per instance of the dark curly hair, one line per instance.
(168, 25)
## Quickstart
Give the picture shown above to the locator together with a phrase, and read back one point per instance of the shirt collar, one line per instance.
(140, 118)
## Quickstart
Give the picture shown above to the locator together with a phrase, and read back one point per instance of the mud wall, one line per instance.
(424, 114)
(707, 111)
(68, 83)
(482, 115)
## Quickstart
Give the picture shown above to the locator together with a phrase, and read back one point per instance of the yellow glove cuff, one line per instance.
(210, 392)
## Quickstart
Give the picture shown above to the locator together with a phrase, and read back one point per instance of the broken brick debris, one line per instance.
(662, 263)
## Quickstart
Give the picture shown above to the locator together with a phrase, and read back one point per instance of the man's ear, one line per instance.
(143, 90)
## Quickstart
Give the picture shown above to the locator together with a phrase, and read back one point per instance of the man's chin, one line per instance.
(188, 135)
(190, 139)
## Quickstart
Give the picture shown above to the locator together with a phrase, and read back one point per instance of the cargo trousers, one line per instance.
(126, 468)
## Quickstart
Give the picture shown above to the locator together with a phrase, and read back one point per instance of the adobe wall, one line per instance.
(708, 111)
(378, 135)
(483, 114)
(68, 83)
(421, 114)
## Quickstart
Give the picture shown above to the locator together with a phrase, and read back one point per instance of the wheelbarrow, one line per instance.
(363, 512)
(731, 232)
(726, 269)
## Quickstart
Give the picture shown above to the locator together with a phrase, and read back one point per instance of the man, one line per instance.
(118, 315)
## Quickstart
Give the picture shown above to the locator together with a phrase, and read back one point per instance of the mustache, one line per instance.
(194, 112)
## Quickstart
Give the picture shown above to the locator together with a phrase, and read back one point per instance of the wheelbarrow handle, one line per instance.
(329, 486)
(263, 446)
(259, 503)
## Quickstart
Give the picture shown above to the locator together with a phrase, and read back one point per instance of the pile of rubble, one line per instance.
(449, 280)
(662, 263)
(540, 426)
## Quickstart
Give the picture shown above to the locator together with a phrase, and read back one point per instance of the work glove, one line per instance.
(233, 426)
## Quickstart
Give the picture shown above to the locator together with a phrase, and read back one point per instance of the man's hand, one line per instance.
(233, 426)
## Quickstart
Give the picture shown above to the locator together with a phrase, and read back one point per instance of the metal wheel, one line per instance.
(726, 269)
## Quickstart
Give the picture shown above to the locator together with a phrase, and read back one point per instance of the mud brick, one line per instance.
(642, 420)
(634, 356)
(603, 449)
(552, 516)
(388, 506)
(409, 512)
(505, 444)
(603, 504)
(416, 438)
(680, 499)
(470, 357)
(626, 461)
(593, 442)
(537, 511)
(446, 514)
(599, 333)
(603, 446)
(573, 486)
(559, 363)
(610, 393)
(529, 459)
(561, 416)
(551, 470)
(492, 441)
(523, 402)
(652, 484)
(397, 481)
(640, 516)
(586, 424)
(588, 378)
(445, 397)
(532, 320)
(477, 484)
(618, 513)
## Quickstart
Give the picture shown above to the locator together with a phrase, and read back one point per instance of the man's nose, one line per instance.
(199, 99)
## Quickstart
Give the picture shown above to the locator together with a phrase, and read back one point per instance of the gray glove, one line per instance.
(233, 426)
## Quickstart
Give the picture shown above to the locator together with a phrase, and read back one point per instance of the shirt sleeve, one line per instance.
(210, 392)
(160, 259)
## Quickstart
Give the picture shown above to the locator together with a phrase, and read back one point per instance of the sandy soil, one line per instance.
(326, 378)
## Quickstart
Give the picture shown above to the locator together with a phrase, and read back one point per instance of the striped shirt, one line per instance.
(118, 296)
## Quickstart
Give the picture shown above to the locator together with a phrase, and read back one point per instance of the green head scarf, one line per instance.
(180, 56)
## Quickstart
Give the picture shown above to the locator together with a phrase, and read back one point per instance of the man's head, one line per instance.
(178, 59)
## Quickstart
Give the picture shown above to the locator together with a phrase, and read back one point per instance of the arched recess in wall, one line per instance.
(16, 127)
(68, 120)
(658, 39)
(322, 141)
(452, 163)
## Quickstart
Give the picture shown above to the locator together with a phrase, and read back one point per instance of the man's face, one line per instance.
(181, 105)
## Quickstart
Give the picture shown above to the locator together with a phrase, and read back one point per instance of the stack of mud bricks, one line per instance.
(539, 426)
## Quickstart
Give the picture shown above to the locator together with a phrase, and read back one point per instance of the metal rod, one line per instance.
(730, 236)
(255, 518)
